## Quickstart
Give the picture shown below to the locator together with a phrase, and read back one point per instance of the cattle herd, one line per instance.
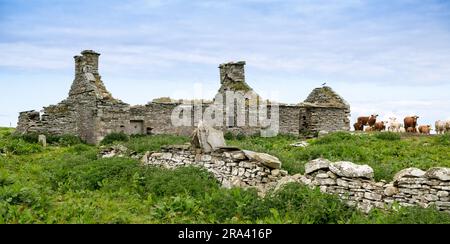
(370, 123)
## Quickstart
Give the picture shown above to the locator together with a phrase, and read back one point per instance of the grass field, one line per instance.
(66, 183)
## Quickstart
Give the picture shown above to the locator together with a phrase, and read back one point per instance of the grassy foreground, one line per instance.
(67, 183)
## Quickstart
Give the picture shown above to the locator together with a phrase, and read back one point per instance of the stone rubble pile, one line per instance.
(117, 151)
(300, 144)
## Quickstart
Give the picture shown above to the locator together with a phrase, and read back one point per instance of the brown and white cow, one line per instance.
(370, 120)
(358, 126)
(411, 122)
(380, 126)
(425, 129)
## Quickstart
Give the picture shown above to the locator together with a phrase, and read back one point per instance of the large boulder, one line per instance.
(264, 158)
(207, 138)
(351, 170)
(317, 164)
(438, 173)
(409, 173)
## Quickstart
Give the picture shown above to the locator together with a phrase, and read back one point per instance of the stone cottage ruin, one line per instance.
(91, 112)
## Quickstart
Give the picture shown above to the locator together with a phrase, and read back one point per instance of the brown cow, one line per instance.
(368, 129)
(358, 126)
(370, 121)
(425, 129)
(411, 122)
(380, 126)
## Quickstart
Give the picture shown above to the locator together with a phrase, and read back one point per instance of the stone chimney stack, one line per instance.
(87, 78)
(87, 63)
(232, 72)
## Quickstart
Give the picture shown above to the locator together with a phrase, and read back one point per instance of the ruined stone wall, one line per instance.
(352, 183)
(29, 121)
(77, 115)
(231, 169)
(315, 119)
(410, 186)
(57, 119)
(156, 118)
(112, 116)
(289, 119)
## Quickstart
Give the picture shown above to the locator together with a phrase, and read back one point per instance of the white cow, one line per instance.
(402, 129)
(440, 126)
(394, 125)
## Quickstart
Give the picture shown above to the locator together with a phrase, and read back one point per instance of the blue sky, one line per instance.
(385, 57)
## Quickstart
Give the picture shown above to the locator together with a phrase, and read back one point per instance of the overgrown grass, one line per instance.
(69, 184)
(115, 137)
(154, 143)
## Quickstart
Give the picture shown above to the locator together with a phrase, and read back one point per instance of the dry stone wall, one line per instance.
(352, 183)
(231, 167)
(355, 184)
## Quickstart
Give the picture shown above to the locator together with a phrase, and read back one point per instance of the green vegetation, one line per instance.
(154, 143)
(388, 136)
(62, 140)
(70, 184)
(115, 137)
(385, 152)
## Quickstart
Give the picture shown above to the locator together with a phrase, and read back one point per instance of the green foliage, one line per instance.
(228, 135)
(61, 140)
(443, 140)
(335, 137)
(191, 181)
(388, 136)
(64, 140)
(19, 147)
(154, 142)
(410, 215)
(309, 206)
(115, 137)
(240, 136)
(28, 137)
(6, 132)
